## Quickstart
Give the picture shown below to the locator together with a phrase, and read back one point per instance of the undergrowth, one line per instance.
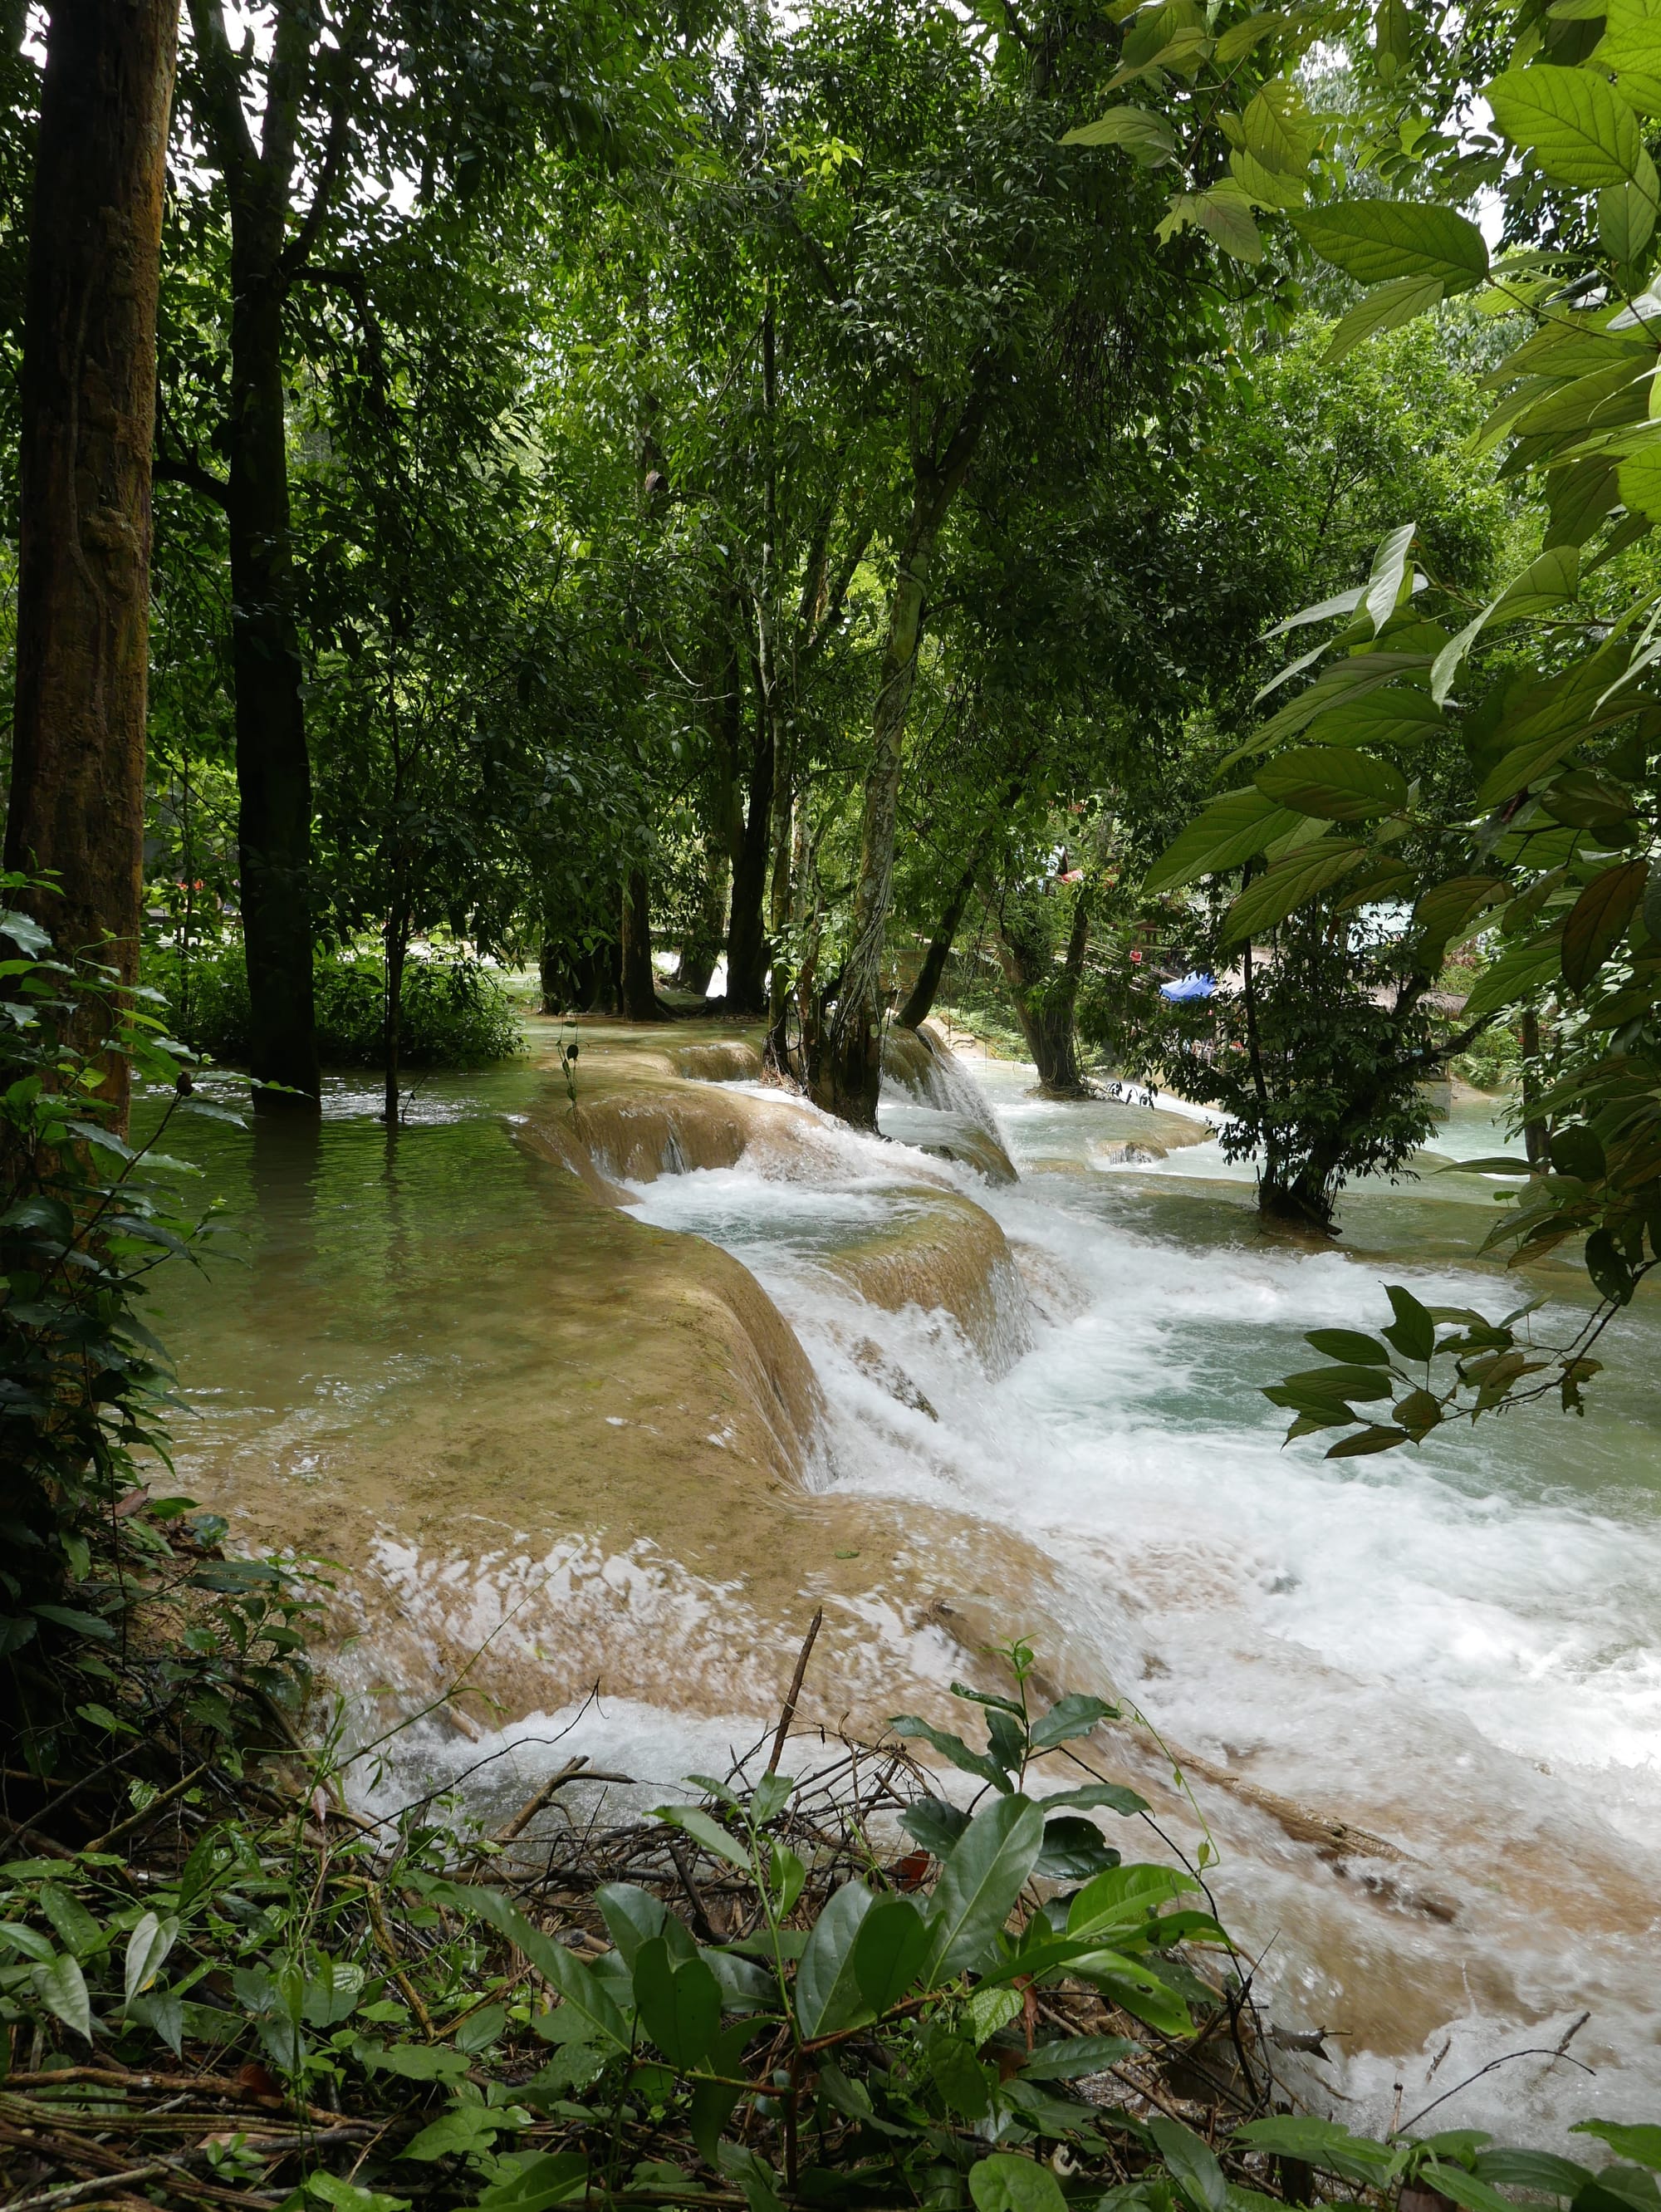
(456, 1012)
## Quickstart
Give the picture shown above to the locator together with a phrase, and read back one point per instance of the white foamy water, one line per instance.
(1458, 1648)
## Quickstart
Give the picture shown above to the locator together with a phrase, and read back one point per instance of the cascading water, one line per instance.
(1456, 1651)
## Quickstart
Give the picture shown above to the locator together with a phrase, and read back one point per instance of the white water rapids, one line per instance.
(1457, 1648)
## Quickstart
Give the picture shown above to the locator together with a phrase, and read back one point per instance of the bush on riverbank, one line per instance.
(456, 1012)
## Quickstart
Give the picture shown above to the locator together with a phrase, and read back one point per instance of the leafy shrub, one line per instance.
(455, 1011)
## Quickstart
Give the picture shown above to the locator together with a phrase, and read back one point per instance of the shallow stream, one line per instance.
(1457, 1649)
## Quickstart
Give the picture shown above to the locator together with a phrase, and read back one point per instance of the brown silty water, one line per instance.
(553, 1443)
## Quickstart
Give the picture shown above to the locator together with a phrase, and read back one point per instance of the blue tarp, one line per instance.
(1189, 987)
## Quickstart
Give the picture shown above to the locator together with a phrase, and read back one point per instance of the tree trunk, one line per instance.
(1536, 1132)
(921, 1004)
(639, 984)
(273, 766)
(398, 950)
(87, 403)
(702, 948)
(1046, 997)
(747, 931)
(846, 1078)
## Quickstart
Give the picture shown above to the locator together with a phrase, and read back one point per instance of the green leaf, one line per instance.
(935, 1823)
(1122, 1896)
(463, 2131)
(1443, 910)
(1075, 2056)
(1234, 828)
(1334, 783)
(1349, 1345)
(632, 1916)
(979, 1882)
(1377, 240)
(29, 1941)
(953, 1749)
(1280, 131)
(1599, 919)
(1541, 2172)
(1570, 120)
(1641, 2143)
(1385, 308)
(1362, 1381)
(828, 1996)
(1625, 215)
(1326, 2144)
(1549, 579)
(1389, 574)
(1400, 714)
(713, 2102)
(546, 2179)
(1413, 1331)
(415, 2062)
(147, 1952)
(1580, 494)
(888, 1952)
(1462, 2187)
(1068, 1718)
(346, 2196)
(61, 1987)
(1112, 1795)
(1369, 1440)
(704, 1828)
(1073, 1850)
(1521, 970)
(1300, 876)
(1147, 138)
(1224, 212)
(575, 1983)
(1630, 47)
(680, 2006)
(75, 1926)
(1192, 2165)
(1265, 187)
(1005, 2183)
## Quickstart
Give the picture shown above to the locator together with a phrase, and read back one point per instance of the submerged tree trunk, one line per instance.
(847, 1076)
(702, 947)
(273, 766)
(747, 930)
(1045, 996)
(397, 953)
(920, 1003)
(88, 400)
(1536, 1131)
(640, 985)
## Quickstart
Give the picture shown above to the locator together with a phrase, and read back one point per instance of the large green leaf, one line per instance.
(1327, 2144)
(1580, 493)
(680, 2006)
(1443, 910)
(1521, 970)
(953, 1749)
(1234, 828)
(1335, 783)
(1389, 573)
(1400, 714)
(1641, 2143)
(1280, 131)
(828, 1996)
(1570, 120)
(888, 1951)
(1598, 918)
(989, 1867)
(1111, 1794)
(1005, 2182)
(1192, 2165)
(1302, 876)
(1640, 481)
(1069, 1716)
(61, 1987)
(1385, 308)
(1377, 240)
(1631, 46)
(1148, 138)
(1122, 1896)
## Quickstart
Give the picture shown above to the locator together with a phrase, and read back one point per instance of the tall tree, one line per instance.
(88, 396)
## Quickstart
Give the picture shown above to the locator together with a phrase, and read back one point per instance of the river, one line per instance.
(1457, 1649)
